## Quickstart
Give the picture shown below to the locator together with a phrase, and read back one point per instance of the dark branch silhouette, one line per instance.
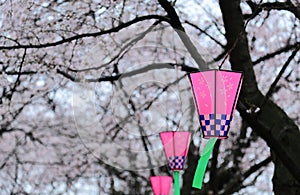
(85, 35)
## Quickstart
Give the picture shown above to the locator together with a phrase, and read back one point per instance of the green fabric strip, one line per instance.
(176, 183)
(202, 163)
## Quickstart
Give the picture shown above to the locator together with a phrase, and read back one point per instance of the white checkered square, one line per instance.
(228, 117)
(206, 117)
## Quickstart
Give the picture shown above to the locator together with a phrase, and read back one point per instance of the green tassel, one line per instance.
(202, 163)
(176, 183)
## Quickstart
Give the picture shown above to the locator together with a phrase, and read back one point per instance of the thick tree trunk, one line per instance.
(271, 122)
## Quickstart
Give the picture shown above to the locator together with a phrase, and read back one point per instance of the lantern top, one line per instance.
(216, 69)
(161, 184)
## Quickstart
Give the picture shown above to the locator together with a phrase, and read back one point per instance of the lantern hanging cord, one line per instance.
(235, 43)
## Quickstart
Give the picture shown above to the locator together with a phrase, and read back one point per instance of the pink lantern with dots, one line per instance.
(161, 185)
(176, 146)
(215, 94)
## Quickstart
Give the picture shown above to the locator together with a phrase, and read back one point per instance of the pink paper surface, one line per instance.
(215, 91)
(230, 84)
(182, 142)
(161, 184)
(168, 143)
(202, 84)
(175, 143)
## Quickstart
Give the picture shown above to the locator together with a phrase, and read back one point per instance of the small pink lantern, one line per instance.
(176, 146)
(216, 93)
(161, 184)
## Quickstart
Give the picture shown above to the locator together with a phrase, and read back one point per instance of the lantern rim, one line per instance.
(223, 70)
(212, 136)
(160, 176)
(174, 132)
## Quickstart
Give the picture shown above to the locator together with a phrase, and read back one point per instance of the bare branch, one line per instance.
(19, 75)
(273, 85)
(204, 32)
(287, 6)
(144, 69)
(26, 72)
(277, 52)
(81, 36)
(256, 167)
(122, 51)
(176, 24)
(237, 183)
(147, 104)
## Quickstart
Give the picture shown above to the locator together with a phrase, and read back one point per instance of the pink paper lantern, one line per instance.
(176, 146)
(215, 94)
(161, 184)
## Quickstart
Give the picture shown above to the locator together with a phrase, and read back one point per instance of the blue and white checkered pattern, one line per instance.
(176, 162)
(215, 125)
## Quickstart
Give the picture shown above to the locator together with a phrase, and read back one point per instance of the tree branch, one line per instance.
(271, 123)
(204, 32)
(124, 49)
(213, 185)
(273, 85)
(144, 69)
(256, 167)
(277, 52)
(237, 183)
(146, 105)
(26, 72)
(19, 75)
(176, 24)
(174, 19)
(81, 36)
(287, 6)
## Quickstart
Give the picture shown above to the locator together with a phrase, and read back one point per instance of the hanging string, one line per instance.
(235, 43)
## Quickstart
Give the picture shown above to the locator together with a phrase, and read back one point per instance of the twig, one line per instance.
(273, 85)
